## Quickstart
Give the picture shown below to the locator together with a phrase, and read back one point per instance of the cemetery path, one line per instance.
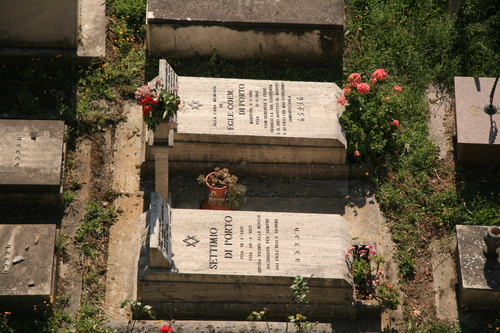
(124, 238)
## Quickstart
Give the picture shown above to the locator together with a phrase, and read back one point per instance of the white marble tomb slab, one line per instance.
(259, 121)
(243, 256)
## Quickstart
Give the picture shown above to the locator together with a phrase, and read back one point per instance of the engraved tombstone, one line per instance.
(259, 127)
(225, 264)
(28, 269)
(32, 161)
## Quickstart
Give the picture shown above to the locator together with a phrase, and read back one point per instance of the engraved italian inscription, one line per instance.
(270, 108)
(256, 243)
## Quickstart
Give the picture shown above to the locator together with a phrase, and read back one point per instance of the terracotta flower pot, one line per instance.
(215, 192)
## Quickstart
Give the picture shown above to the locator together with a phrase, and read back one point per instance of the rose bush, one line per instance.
(372, 115)
(364, 264)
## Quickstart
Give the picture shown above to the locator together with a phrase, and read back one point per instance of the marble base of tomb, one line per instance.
(258, 128)
(226, 264)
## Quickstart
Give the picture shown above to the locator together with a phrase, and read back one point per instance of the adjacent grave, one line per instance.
(49, 28)
(37, 23)
(32, 161)
(226, 264)
(477, 132)
(288, 30)
(257, 127)
(479, 276)
(27, 281)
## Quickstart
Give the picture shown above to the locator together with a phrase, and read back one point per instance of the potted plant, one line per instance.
(158, 105)
(223, 185)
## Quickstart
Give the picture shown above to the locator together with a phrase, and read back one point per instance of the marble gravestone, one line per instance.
(478, 142)
(479, 276)
(257, 127)
(27, 279)
(32, 161)
(226, 264)
(278, 31)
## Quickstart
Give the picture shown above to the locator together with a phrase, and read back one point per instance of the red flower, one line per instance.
(147, 100)
(354, 79)
(166, 329)
(363, 88)
(397, 89)
(146, 109)
(342, 101)
(395, 122)
(357, 153)
(178, 101)
(379, 74)
(346, 91)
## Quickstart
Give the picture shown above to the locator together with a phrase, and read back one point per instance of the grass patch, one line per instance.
(418, 43)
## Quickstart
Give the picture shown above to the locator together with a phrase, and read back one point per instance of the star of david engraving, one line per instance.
(191, 241)
(195, 104)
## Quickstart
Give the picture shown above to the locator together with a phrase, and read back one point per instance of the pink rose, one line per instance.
(397, 89)
(342, 101)
(142, 92)
(363, 88)
(373, 81)
(395, 122)
(357, 153)
(379, 74)
(346, 91)
(354, 79)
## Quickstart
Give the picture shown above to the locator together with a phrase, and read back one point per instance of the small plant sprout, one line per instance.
(136, 309)
(298, 296)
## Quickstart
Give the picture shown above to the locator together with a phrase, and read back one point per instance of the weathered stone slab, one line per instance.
(32, 161)
(39, 23)
(50, 28)
(31, 280)
(287, 30)
(237, 260)
(479, 277)
(252, 122)
(477, 132)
